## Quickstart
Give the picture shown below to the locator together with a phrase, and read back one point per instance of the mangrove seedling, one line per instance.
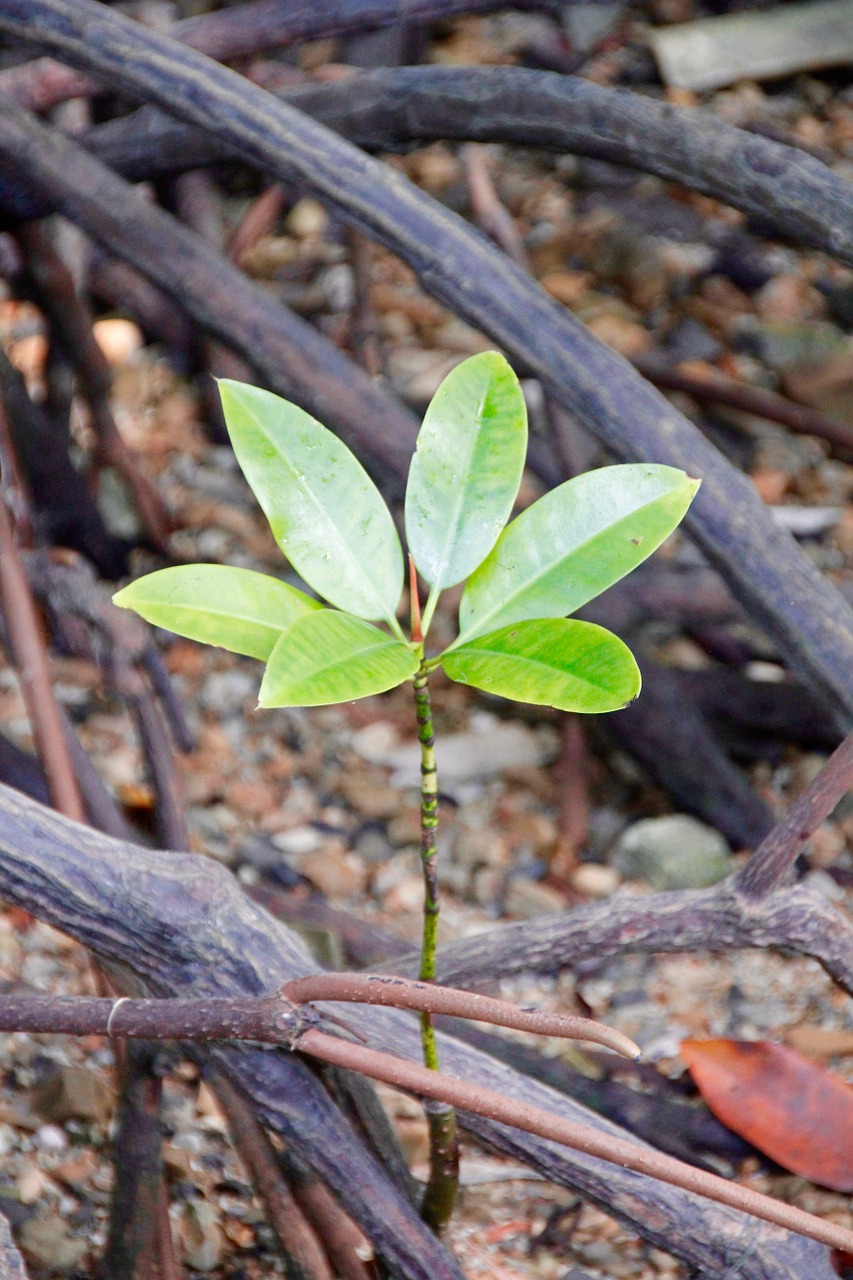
(521, 579)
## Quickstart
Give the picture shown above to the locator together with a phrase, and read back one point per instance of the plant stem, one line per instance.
(440, 1194)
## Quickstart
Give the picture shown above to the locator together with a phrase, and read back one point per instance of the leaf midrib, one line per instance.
(535, 662)
(453, 524)
(532, 582)
(351, 559)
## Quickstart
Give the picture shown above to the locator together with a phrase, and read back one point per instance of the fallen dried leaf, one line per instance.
(789, 1108)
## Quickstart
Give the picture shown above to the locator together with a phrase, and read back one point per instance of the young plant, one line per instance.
(521, 580)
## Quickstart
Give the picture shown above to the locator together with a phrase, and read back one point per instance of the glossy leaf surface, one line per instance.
(792, 1110)
(553, 662)
(574, 543)
(467, 468)
(332, 657)
(217, 604)
(324, 510)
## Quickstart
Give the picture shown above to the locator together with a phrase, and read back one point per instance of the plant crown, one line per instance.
(521, 579)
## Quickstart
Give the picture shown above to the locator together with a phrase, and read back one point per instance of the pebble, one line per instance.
(336, 872)
(527, 898)
(50, 1139)
(368, 797)
(48, 1240)
(73, 1092)
(673, 852)
(298, 841)
(464, 757)
(201, 1238)
(595, 880)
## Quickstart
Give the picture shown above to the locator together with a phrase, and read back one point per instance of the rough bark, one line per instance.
(789, 192)
(807, 617)
(176, 923)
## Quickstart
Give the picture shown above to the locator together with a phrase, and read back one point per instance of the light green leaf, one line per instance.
(574, 543)
(333, 657)
(236, 609)
(466, 470)
(324, 510)
(553, 662)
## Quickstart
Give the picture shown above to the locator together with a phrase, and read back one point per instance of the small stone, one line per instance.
(567, 287)
(405, 896)
(528, 898)
(251, 798)
(405, 829)
(50, 1139)
(200, 1235)
(307, 219)
(118, 339)
(375, 742)
(487, 886)
(31, 1186)
(673, 852)
(369, 797)
(72, 1092)
(49, 1242)
(480, 847)
(298, 841)
(595, 880)
(336, 872)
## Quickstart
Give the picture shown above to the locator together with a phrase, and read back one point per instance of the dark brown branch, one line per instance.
(303, 1254)
(193, 932)
(290, 356)
(776, 855)
(717, 389)
(804, 613)
(247, 30)
(789, 192)
(135, 1199)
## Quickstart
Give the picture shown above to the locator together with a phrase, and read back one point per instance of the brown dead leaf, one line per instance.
(789, 1108)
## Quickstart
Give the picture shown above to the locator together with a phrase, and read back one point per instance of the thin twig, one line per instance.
(71, 323)
(30, 658)
(777, 854)
(717, 389)
(425, 1083)
(276, 1021)
(405, 993)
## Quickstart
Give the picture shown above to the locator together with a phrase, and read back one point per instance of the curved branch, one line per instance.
(193, 933)
(807, 617)
(291, 357)
(790, 192)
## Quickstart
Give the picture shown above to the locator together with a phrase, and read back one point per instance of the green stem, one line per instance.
(440, 1194)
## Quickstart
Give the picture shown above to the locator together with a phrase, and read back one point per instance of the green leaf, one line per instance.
(466, 470)
(333, 657)
(574, 543)
(553, 662)
(324, 510)
(236, 609)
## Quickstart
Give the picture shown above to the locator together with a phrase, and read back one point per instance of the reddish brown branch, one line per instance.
(306, 1259)
(717, 389)
(406, 993)
(275, 1020)
(71, 322)
(30, 658)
